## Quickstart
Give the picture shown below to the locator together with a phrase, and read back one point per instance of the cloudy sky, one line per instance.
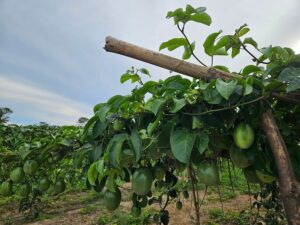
(53, 67)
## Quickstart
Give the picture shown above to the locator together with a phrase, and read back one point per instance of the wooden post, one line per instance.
(289, 187)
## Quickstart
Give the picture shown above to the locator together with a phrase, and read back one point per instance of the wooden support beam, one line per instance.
(289, 187)
(180, 66)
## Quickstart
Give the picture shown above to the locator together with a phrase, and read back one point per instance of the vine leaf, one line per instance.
(182, 142)
(92, 174)
(211, 48)
(128, 76)
(202, 142)
(136, 144)
(178, 104)
(154, 105)
(290, 76)
(225, 89)
(173, 44)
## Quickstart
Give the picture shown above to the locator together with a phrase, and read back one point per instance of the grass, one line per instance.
(217, 217)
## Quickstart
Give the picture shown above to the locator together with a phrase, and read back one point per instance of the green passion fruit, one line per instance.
(243, 135)
(112, 200)
(159, 171)
(30, 167)
(24, 190)
(17, 175)
(136, 211)
(6, 188)
(208, 173)
(179, 205)
(43, 184)
(141, 182)
(59, 186)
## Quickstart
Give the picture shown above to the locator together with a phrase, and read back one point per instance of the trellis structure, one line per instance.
(289, 186)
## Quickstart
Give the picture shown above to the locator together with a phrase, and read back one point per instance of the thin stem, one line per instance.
(252, 55)
(196, 203)
(225, 108)
(190, 45)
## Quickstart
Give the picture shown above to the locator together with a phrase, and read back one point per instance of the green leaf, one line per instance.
(212, 96)
(144, 71)
(136, 144)
(290, 76)
(225, 88)
(173, 44)
(128, 76)
(235, 51)
(202, 142)
(111, 182)
(247, 89)
(98, 128)
(114, 149)
(250, 41)
(187, 51)
(178, 104)
(243, 31)
(92, 174)
(182, 142)
(152, 126)
(209, 44)
(223, 68)
(100, 167)
(102, 112)
(251, 69)
(203, 18)
(155, 105)
(116, 101)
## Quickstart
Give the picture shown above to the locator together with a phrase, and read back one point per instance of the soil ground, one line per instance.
(86, 208)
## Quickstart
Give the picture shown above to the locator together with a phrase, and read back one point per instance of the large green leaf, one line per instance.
(136, 144)
(92, 174)
(155, 105)
(225, 88)
(128, 76)
(178, 104)
(202, 142)
(182, 143)
(215, 49)
(173, 44)
(203, 18)
(290, 76)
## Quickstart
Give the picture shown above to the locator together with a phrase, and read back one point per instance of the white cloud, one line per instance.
(41, 104)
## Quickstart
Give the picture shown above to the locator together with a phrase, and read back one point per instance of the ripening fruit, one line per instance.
(208, 173)
(186, 194)
(159, 171)
(17, 175)
(59, 186)
(44, 184)
(30, 167)
(6, 188)
(136, 211)
(24, 190)
(243, 135)
(112, 200)
(179, 205)
(142, 181)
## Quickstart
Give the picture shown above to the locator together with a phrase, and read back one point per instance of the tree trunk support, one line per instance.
(289, 187)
